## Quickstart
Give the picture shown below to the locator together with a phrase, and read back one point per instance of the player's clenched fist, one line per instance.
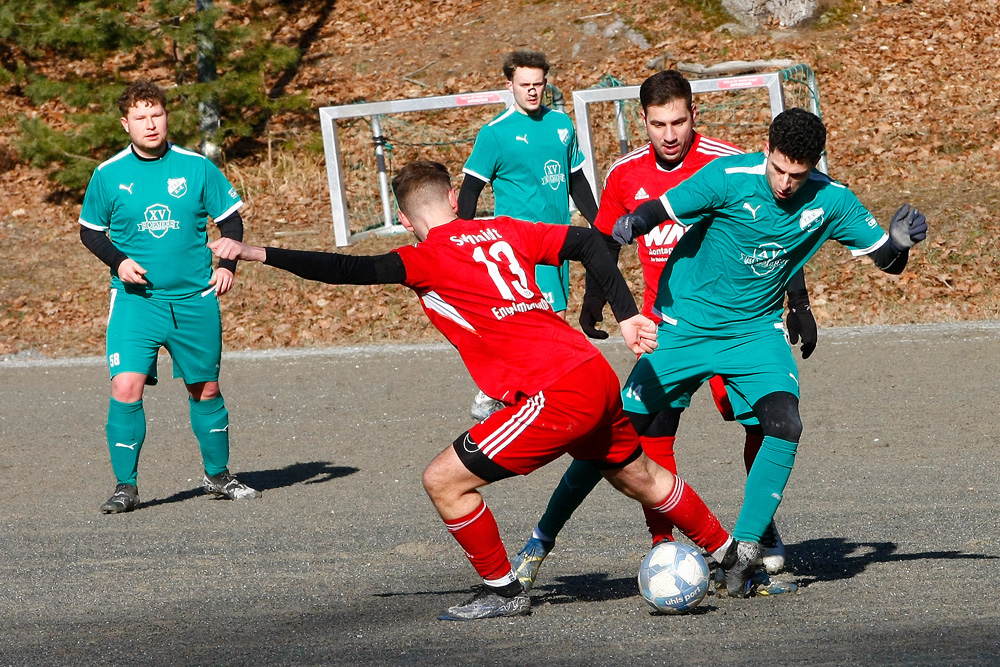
(908, 227)
(226, 248)
(624, 229)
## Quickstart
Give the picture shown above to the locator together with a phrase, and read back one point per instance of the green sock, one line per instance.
(210, 423)
(580, 479)
(126, 431)
(765, 486)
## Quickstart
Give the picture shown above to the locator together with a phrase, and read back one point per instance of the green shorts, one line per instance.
(553, 281)
(190, 329)
(753, 365)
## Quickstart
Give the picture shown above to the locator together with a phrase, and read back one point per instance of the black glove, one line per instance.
(623, 229)
(907, 228)
(591, 313)
(801, 323)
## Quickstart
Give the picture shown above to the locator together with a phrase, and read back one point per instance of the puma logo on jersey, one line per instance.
(753, 211)
(641, 194)
(523, 137)
(126, 188)
(124, 446)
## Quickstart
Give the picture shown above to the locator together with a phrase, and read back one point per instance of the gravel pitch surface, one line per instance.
(890, 520)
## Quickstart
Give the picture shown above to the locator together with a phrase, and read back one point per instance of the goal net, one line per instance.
(366, 143)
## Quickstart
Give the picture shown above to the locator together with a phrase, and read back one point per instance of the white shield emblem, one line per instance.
(564, 135)
(810, 219)
(177, 187)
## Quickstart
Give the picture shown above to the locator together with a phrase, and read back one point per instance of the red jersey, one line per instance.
(635, 179)
(476, 282)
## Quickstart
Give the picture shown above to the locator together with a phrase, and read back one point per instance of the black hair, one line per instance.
(524, 58)
(799, 135)
(663, 88)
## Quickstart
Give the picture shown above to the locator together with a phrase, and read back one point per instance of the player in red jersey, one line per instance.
(675, 151)
(475, 280)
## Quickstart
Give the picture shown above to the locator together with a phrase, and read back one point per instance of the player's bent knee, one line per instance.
(779, 416)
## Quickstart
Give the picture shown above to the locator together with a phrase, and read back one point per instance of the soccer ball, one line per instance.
(673, 577)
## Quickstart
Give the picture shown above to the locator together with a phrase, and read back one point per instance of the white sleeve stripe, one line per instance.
(872, 248)
(475, 175)
(670, 210)
(228, 212)
(96, 228)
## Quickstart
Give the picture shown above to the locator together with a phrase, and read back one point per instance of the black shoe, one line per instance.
(124, 499)
(739, 565)
(226, 485)
(487, 603)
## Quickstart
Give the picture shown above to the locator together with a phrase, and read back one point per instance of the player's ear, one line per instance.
(767, 148)
(694, 113)
(452, 199)
(403, 220)
(124, 121)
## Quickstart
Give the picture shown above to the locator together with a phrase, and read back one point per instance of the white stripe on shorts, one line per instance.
(513, 427)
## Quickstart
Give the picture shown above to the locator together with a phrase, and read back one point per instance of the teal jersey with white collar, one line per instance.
(156, 212)
(730, 270)
(528, 160)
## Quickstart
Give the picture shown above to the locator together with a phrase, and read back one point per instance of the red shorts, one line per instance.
(580, 414)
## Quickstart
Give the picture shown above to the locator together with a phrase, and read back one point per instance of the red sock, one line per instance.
(750, 448)
(688, 511)
(478, 534)
(661, 451)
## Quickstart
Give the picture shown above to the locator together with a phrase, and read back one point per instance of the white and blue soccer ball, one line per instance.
(673, 578)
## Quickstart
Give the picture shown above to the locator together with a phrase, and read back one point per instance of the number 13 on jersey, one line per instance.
(502, 253)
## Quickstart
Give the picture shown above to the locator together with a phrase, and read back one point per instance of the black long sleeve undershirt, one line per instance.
(231, 228)
(101, 246)
(468, 197)
(338, 269)
(583, 195)
(587, 245)
(889, 258)
(581, 244)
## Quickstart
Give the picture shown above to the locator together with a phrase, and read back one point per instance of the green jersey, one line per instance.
(730, 270)
(156, 212)
(528, 160)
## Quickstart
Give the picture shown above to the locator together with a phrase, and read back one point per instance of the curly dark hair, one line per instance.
(798, 135)
(524, 58)
(663, 88)
(419, 183)
(141, 90)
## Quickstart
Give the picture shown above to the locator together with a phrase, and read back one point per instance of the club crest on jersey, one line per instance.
(766, 259)
(177, 187)
(158, 221)
(564, 136)
(554, 176)
(810, 219)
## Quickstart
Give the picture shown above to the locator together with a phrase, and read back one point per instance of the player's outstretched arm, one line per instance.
(907, 228)
(327, 267)
(586, 245)
(632, 225)
(800, 321)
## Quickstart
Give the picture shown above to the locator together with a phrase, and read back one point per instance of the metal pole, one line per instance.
(383, 175)
(208, 110)
(622, 131)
